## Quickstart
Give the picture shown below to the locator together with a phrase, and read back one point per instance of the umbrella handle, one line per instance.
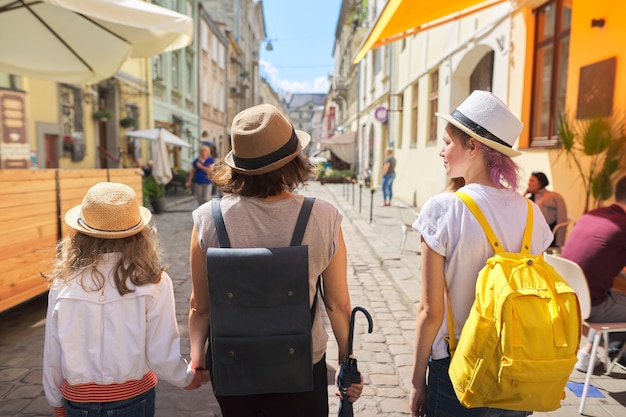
(351, 334)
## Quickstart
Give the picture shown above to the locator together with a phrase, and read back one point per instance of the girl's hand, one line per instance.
(418, 402)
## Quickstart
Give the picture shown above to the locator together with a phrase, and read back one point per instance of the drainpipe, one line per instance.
(357, 139)
(389, 141)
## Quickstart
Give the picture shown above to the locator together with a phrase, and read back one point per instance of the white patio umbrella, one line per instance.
(161, 167)
(153, 134)
(85, 41)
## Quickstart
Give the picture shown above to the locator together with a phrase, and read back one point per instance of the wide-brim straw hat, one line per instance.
(263, 140)
(109, 211)
(487, 119)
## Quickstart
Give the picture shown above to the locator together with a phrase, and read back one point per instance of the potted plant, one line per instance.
(103, 115)
(597, 148)
(68, 143)
(154, 193)
(320, 172)
(128, 122)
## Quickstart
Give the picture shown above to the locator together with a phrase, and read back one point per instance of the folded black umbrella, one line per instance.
(348, 371)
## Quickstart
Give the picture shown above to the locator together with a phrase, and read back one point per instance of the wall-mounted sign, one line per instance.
(381, 114)
(14, 147)
(596, 86)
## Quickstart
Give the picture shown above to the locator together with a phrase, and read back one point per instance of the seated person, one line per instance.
(598, 244)
(551, 204)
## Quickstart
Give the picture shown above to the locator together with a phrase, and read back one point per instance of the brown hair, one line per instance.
(138, 260)
(286, 178)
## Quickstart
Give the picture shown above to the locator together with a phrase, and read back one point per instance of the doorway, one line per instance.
(51, 147)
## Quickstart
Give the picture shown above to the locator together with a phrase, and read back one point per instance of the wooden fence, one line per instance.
(32, 206)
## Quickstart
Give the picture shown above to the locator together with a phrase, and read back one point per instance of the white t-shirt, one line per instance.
(450, 229)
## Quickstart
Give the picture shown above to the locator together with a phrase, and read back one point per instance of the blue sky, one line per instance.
(302, 34)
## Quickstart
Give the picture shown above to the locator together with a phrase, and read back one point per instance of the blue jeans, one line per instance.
(140, 406)
(387, 186)
(443, 402)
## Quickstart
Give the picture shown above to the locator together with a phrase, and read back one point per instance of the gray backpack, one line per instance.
(260, 335)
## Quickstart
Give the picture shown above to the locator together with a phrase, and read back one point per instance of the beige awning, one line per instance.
(402, 18)
(342, 146)
(342, 139)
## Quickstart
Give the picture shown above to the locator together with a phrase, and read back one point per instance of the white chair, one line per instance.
(407, 225)
(575, 277)
(558, 226)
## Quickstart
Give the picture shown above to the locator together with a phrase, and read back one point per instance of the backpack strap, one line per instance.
(296, 239)
(493, 239)
(303, 219)
(220, 227)
(451, 339)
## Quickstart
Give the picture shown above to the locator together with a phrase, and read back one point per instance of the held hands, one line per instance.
(206, 376)
(201, 377)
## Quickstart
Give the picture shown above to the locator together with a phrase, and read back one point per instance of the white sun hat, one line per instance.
(487, 119)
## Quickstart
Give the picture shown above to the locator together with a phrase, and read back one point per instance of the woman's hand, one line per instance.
(353, 392)
(418, 401)
(206, 376)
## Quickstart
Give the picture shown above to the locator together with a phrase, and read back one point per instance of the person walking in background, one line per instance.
(111, 326)
(552, 205)
(259, 209)
(597, 244)
(200, 173)
(389, 174)
(217, 159)
(454, 245)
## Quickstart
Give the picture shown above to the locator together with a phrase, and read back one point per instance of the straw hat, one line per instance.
(263, 140)
(109, 211)
(487, 119)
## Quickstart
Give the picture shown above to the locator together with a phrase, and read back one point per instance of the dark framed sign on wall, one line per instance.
(595, 89)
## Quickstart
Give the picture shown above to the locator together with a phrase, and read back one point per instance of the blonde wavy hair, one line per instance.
(79, 256)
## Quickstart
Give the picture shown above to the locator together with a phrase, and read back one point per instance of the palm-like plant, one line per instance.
(597, 148)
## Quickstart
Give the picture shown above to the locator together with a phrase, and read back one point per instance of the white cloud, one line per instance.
(281, 86)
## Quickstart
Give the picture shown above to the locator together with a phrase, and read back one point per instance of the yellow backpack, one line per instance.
(518, 346)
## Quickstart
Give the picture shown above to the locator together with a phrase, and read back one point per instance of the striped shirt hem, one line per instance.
(96, 393)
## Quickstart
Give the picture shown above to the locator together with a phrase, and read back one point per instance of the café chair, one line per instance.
(407, 222)
(575, 277)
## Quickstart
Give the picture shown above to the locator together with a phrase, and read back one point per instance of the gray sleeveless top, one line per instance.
(251, 222)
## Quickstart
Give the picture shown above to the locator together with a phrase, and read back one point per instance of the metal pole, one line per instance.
(360, 196)
(372, 205)
(352, 186)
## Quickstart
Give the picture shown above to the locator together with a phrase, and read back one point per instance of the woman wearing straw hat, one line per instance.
(111, 326)
(259, 208)
(477, 146)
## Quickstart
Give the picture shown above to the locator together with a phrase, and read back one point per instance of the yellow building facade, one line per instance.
(544, 58)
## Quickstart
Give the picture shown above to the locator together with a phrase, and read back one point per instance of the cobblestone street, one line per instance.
(384, 356)
(382, 278)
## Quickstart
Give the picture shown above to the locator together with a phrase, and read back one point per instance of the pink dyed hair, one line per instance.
(503, 170)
